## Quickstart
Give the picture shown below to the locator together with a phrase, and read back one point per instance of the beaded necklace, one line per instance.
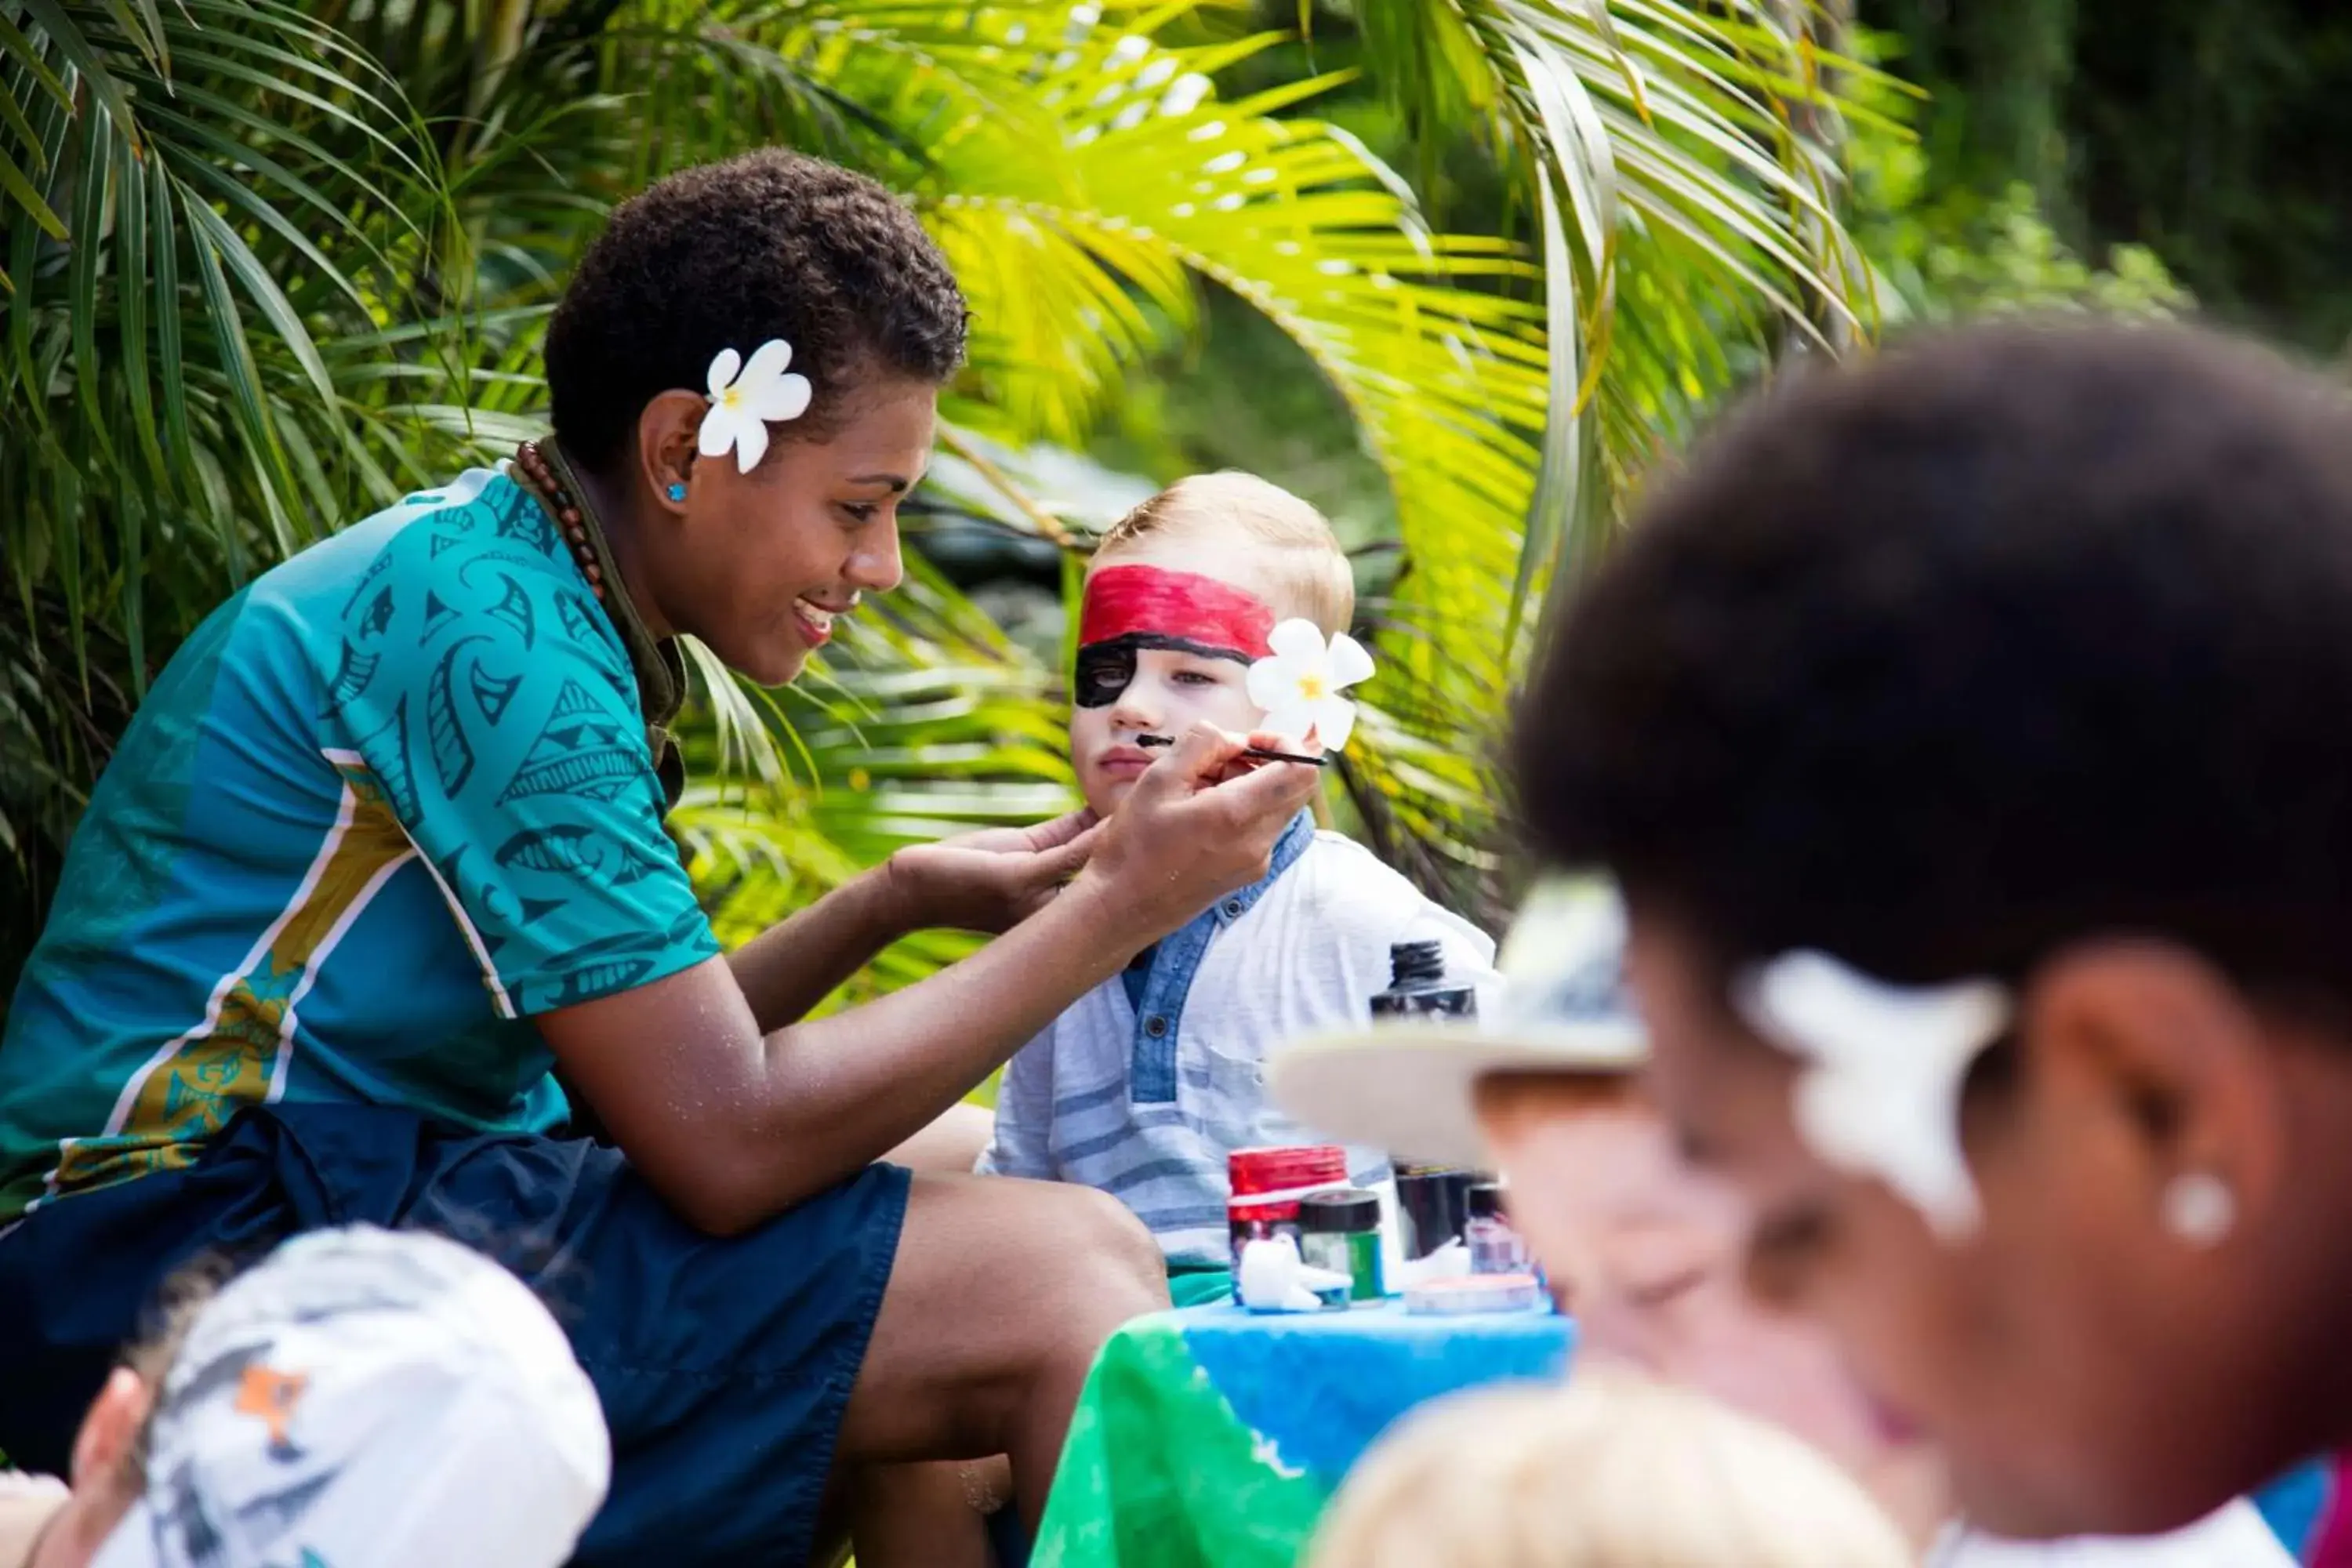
(659, 667)
(556, 496)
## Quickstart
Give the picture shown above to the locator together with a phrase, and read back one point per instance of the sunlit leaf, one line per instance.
(300, 261)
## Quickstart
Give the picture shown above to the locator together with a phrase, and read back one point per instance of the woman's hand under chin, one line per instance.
(990, 881)
(1201, 822)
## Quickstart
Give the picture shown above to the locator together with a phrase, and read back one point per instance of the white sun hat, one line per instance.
(1408, 1086)
(366, 1398)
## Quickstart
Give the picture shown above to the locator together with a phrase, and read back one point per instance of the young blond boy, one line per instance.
(1611, 1471)
(1146, 1084)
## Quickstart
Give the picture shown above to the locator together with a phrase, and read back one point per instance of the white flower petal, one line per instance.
(1335, 720)
(1296, 640)
(751, 444)
(787, 397)
(1880, 1095)
(768, 362)
(1878, 1130)
(1818, 1006)
(720, 427)
(1271, 683)
(1349, 662)
(723, 366)
(1291, 720)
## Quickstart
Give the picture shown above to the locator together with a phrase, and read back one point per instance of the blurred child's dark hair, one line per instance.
(2008, 636)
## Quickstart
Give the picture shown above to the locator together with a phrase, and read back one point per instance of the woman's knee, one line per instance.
(1106, 1252)
(1045, 1258)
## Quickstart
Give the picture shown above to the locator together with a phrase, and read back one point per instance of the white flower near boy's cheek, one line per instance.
(1299, 684)
(743, 404)
(1879, 1095)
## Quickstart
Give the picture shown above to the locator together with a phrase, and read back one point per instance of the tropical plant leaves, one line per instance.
(268, 267)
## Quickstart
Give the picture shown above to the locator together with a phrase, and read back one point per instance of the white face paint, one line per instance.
(1880, 1093)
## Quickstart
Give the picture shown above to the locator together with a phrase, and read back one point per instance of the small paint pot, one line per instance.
(1474, 1294)
(1341, 1232)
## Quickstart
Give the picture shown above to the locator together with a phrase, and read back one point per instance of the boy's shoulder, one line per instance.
(1346, 891)
(1338, 864)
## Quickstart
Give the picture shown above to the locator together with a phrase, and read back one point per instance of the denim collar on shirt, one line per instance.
(1159, 999)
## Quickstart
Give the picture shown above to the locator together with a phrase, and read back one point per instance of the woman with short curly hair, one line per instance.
(384, 845)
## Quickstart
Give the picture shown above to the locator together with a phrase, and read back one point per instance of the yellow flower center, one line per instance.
(731, 399)
(1311, 687)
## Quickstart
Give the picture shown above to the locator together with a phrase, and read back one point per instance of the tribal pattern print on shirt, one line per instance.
(387, 804)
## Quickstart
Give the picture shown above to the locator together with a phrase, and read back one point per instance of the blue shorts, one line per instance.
(723, 1365)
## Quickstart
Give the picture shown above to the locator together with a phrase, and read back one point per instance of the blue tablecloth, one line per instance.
(1213, 1437)
(1321, 1386)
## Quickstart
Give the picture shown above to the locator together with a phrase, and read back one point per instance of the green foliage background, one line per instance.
(1460, 271)
(270, 266)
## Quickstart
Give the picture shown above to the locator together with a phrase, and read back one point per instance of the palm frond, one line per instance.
(211, 198)
(270, 266)
(1429, 338)
(1687, 224)
(1665, 139)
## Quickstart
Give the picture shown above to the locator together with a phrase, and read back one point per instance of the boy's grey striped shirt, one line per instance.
(1091, 1099)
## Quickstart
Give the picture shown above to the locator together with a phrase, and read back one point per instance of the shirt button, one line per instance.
(1233, 909)
(1155, 1025)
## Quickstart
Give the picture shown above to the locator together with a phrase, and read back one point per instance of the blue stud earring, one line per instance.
(676, 491)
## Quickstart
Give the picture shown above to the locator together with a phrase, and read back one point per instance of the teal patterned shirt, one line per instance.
(386, 805)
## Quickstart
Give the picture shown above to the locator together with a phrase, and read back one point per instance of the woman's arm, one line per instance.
(795, 964)
(733, 1127)
(984, 881)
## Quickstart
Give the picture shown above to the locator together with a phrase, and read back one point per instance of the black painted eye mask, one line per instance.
(1106, 668)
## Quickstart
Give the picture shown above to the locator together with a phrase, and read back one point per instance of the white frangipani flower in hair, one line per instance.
(741, 406)
(1299, 683)
(1880, 1093)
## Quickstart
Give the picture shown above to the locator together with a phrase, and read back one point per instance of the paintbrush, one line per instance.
(1259, 753)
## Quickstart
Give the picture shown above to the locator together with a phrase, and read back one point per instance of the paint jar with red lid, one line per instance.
(1266, 1185)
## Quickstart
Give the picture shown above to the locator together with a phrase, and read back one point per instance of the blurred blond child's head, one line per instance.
(1222, 558)
(1611, 1471)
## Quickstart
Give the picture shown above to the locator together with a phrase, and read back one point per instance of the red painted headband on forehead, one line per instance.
(1153, 602)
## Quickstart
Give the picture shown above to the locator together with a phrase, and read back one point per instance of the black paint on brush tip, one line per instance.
(1260, 752)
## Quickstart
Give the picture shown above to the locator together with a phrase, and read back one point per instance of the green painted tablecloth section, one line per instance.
(1159, 1472)
(1212, 1438)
